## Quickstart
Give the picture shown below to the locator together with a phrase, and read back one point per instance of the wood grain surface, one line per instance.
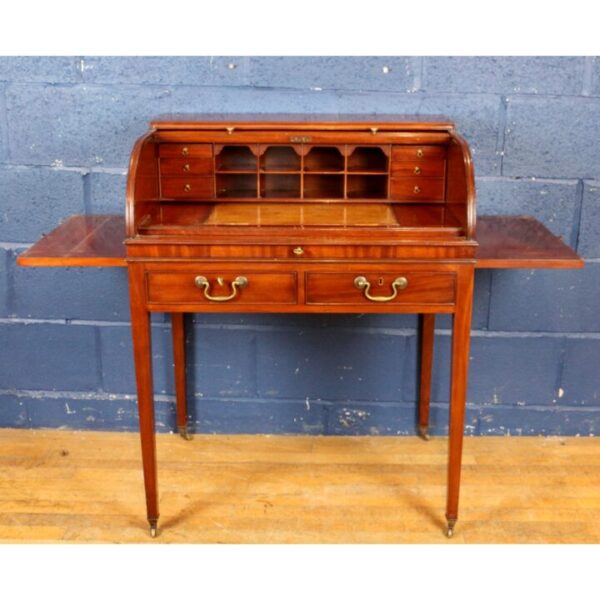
(63, 486)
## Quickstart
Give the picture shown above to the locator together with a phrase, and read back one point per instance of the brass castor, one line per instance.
(183, 432)
(424, 432)
(450, 528)
(153, 527)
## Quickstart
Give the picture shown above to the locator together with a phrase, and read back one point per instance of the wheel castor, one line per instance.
(183, 432)
(450, 528)
(424, 432)
(153, 527)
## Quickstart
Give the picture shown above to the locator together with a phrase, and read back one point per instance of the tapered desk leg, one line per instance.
(426, 338)
(178, 332)
(461, 337)
(142, 351)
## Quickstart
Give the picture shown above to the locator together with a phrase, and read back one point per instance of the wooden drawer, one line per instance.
(185, 150)
(420, 288)
(416, 189)
(419, 168)
(192, 188)
(181, 287)
(186, 166)
(417, 152)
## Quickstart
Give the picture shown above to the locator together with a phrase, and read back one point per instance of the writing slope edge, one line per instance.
(81, 241)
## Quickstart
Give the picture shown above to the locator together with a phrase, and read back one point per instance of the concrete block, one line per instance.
(3, 128)
(95, 413)
(330, 364)
(504, 74)
(595, 79)
(589, 231)
(502, 370)
(41, 356)
(220, 362)
(382, 73)
(546, 300)
(13, 411)
(168, 70)
(81, 125)
(33, 201)
(505, 420)
(476, 117)
(107, 192)
(5, 259)
(40, 69)
(554, 203)
(552, 137)
(73, 293)
(580, 380)
(251, 100)
(251, 416)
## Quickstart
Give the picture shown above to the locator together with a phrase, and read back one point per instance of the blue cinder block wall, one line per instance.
(67, 125)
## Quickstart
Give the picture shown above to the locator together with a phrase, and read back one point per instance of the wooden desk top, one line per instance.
(511, 242)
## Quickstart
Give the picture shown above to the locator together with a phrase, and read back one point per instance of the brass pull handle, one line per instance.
(186, 167)
(420, 153)
(185, 151)
(417, 189)
(187, 187)
(362, 283)
(417, 170)
(237, 283)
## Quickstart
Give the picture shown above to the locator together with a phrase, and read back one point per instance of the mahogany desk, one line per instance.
(301, 214)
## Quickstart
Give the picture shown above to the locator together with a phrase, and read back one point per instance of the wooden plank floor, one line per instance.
(64, 486)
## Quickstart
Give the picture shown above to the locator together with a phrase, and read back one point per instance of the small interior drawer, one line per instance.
(182, 188)
(417, 152)
(185, 150)
(417, 189)
(202, 165)
(419, 168)
(181, 287)
(416, 287)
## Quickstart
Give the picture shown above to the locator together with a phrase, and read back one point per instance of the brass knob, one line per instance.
(417, 189)
(186, 167)
(185, 151)
(417, 170)
(187, 187)
(298, 251)
(420, 153)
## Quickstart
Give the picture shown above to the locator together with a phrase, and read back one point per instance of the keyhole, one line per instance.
(220, 280)
(380, 282)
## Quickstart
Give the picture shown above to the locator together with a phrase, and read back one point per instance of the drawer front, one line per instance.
(415, 287)
(186, 166)
(419, 168)
(415, 189)
(182, 287)
(417, 152)
(185, 150)
(182, 188)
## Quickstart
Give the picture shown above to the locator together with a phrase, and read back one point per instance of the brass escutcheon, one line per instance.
(186, 167)
(300, 139)
(187, 187)
(417, 189)
(420, 153)
(417, 170)
(230, 130)
(298, 251)
(185, 151)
